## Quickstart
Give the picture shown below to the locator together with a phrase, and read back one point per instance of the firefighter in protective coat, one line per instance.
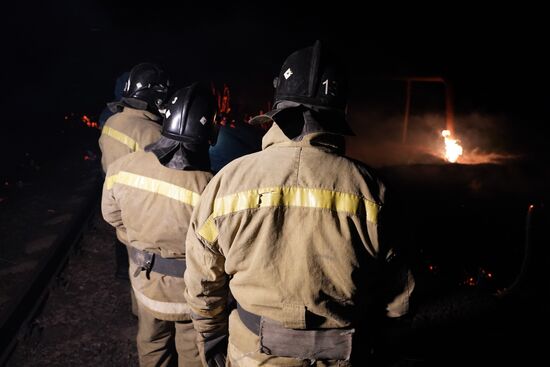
(294, 232)
(150, 195)
(135, 124)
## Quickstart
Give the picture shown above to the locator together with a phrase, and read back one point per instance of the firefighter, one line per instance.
(136, 122)
(150, 195)
(294, 232)
(134, 125)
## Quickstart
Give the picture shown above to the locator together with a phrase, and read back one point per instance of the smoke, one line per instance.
(381, 140)
(485, 139)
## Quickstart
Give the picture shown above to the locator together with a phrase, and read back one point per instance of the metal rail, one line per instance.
(16, 321)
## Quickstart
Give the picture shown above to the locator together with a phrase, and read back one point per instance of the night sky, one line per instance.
(64, 57)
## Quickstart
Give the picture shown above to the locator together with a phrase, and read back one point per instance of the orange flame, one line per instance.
(453, 149)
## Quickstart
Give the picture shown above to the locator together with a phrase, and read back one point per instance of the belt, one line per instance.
(323, 344)
(149, 261)
(249, 319)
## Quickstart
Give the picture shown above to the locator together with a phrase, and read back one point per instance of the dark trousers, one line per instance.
(121, 258)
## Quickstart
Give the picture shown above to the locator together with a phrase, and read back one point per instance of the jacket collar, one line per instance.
(330, 142)
(141, 113)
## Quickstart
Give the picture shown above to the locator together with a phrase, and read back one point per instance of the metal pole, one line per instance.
(449, 107)
(407, 111)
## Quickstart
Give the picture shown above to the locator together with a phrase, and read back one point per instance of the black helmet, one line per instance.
(190, 114)
(311, 79)
(311, 76)
(149, 83)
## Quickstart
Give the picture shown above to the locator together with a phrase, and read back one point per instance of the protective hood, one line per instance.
(137, 104)
(180, 155)
(297, 120)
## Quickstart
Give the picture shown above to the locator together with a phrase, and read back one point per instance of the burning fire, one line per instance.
(453, 149)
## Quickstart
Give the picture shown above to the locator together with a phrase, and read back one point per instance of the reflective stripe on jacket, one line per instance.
(152, 204)
(127, 132)
(295, 230)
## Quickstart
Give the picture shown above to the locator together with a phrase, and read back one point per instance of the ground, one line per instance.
(87, 319)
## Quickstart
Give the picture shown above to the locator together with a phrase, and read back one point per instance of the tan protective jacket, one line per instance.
(126, 132)
(152, 205)
(293, 230)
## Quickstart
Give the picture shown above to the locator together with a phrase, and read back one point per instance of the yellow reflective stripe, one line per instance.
(287, 196)
(153, 185)
(372, 210)
(121, 137)
(110, 181)
(170, 308)
(296, 197)
(208, 231)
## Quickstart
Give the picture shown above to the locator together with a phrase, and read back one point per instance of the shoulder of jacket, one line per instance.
(113, 119)
(119, 163)
(244, 160)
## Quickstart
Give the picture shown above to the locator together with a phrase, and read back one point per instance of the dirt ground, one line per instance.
(87, 319)
(42, 191)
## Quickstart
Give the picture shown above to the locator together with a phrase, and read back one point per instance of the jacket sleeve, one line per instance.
(109, 205)
(206, 281)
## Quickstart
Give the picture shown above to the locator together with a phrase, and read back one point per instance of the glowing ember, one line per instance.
(85, 119)
(453, 149)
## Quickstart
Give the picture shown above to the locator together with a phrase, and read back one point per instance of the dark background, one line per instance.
(64, 56)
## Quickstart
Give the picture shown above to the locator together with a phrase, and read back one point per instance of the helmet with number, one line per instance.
(311, 78)
(148, 83)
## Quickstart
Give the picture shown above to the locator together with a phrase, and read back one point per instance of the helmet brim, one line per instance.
(335, 121)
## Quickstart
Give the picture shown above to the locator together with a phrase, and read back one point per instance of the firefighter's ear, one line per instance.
(275, 82)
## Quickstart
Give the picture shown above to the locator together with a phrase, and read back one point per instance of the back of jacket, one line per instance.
(126, 132)
(152, 205)
(296, 229)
